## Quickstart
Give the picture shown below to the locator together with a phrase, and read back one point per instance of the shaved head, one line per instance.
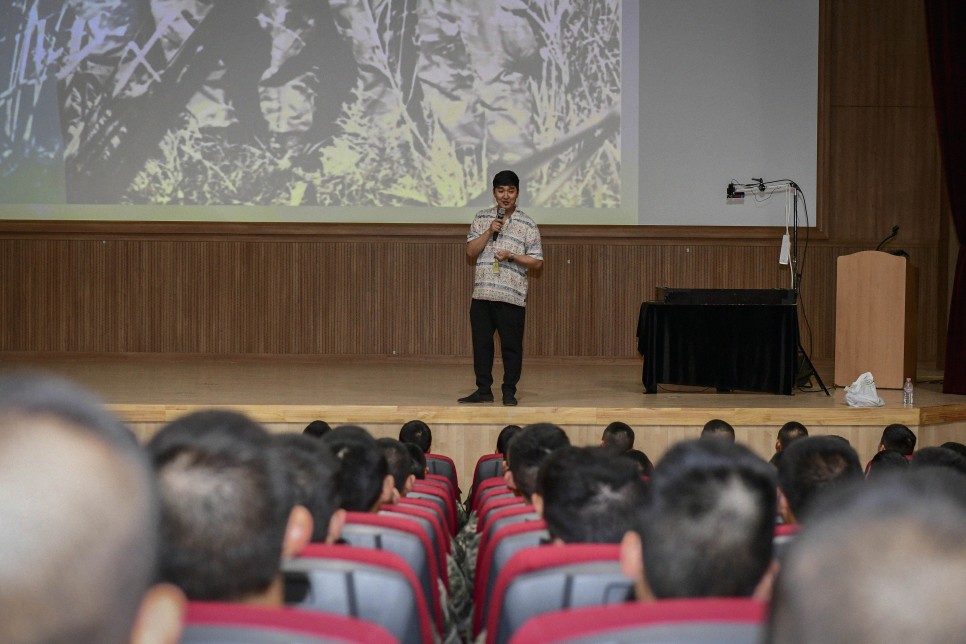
(78, 544)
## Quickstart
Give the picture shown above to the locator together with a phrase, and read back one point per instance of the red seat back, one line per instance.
(228, 623)
(688, 621)
(549, 578)
(353, 581)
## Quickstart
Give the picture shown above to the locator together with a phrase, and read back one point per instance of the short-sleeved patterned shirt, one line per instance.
(519, 236)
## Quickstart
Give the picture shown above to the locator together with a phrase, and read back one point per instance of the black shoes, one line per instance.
(477, 397)
(509, 400)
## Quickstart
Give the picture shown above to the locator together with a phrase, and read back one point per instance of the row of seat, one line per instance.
(391, 571)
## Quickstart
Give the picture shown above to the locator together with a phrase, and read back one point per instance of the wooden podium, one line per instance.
(876, 318)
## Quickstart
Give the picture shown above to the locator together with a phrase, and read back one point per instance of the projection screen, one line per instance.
(612, 111)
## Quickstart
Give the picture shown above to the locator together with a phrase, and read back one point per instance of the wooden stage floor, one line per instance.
(286, 393)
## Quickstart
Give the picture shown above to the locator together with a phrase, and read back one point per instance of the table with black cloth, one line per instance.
(748, 347)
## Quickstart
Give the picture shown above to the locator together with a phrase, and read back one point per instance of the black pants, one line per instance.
(487, 317)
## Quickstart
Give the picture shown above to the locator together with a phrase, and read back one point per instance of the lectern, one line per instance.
(876, 314)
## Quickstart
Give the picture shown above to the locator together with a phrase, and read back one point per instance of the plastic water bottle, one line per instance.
(907, 395)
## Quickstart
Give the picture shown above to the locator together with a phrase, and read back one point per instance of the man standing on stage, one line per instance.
(506, 244)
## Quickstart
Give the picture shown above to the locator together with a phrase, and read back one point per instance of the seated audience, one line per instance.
(503, 440)
(588, 495)
(417, 461)
(317, 429)
(528, 449)
(939, 457)
(810, 466)
(312, 475)
(718, 429)
(708, 525)
(878, 562)
(416, 431)
(896, 437)
(789, 432)
(79, 535)
(227, 512)
(363, 479)
(644, 465)
(618, 437)
(400, 467)
(959, 448)
(888, 460)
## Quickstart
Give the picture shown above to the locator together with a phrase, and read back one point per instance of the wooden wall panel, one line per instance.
(403, 290)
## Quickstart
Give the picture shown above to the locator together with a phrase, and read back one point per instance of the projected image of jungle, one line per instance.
(309, 102)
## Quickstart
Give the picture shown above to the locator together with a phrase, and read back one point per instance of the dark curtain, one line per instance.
(946, 26)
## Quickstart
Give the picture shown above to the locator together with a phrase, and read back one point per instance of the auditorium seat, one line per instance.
(438, 514)
(355, 582)
(496, 492)
(545, 579)
(487, 466)
(493, 556)
(684, 621)
(444, 466)
(227, 623)
(494, 504)
(423, 490)
(485, 485)
(428, 521)
(442, 480)
(365, 530)
(784, 535)
(507, 516)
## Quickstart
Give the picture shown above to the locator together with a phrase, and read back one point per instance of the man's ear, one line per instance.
(335, 526)
(778, 446)
(388, 489)
(632, 564)
(298, 532)
(785, 510)
(537, 501)
(767, 583)
(508, 479)
(160, 618)
(409, 484)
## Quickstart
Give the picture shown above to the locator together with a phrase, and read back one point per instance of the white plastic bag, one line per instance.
(861, 393)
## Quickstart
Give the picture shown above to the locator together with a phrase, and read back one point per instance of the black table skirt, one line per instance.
(746, 347)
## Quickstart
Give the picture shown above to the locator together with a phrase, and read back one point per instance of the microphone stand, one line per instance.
(805, 363)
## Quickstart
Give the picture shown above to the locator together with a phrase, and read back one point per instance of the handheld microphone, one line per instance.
(895, 231)
(499, 215)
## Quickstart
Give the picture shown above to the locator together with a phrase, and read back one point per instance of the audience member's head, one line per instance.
(80, 523)
(718, 429)
(959, 448)
(588, 495)
(228, 516)
(898, 437)
(312, 472)
(644, 465)
(503, 440)
(878, 562)
(317, 429)
(808, 467)
(708, 527)
(400, 465)
(363, 479)
(939, 457)
(417, 460)
(888, 460)
(416, 431)
(789, 432)
(618, 437)
(528, 449)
